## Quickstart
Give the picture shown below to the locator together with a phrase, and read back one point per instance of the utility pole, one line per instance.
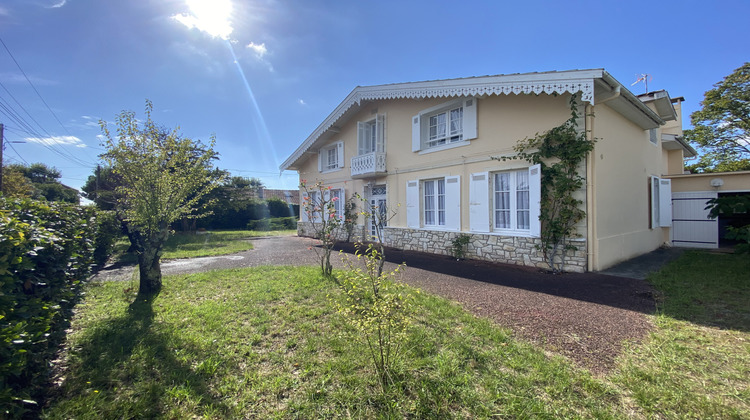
(1, 156)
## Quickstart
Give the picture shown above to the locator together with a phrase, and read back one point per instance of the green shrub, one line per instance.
(109, 229)
(46, 250)
(277, 223)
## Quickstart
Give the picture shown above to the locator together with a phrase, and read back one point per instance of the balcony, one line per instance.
(368, 165)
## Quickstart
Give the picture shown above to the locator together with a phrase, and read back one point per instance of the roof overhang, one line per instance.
(662, 103)
(675, 142)
(589, 83)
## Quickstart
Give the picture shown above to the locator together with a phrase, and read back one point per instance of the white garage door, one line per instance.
(691, 226)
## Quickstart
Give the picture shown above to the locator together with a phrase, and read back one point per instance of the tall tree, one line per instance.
(163, 176)
(721, 129)
(45, 183)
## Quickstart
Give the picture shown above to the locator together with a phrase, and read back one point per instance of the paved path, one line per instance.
(583, 316)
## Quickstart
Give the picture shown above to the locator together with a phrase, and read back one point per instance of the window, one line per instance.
(511, 200)
(446, 125)
(331, 158)
(506, 202)
(371, 135)
(337, 196)
(434, 203)
(652, 136)
(433, 193)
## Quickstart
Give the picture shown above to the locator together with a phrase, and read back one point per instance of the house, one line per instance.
(427, 148)
(287, 196)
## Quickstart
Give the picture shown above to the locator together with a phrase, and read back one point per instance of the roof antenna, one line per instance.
(644, 77)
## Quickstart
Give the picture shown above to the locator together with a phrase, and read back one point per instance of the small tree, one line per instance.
(163, 176)
(560, 152)
(320, 207)
(378, 308)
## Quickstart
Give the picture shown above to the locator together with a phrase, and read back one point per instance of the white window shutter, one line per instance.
(453, 202)
(535, 200)
(412, 204)
(380, 133)
(340, 152)
(320, 160)
(479, 204)
(302, 210)
(470, 119)
(654, 186)
(665, 202)
(416, 135)
(361, 138)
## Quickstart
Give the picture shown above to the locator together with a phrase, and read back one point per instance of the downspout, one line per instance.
(591, 255)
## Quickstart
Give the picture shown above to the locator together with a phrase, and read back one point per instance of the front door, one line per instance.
(379, 209)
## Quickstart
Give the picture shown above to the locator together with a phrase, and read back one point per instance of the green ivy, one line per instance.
(560, 152)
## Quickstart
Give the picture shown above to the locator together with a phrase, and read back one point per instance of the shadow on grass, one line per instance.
(133, 367)
(706, 288)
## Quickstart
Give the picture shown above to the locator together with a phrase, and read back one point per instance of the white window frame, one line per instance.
(338, 205)
(653, 136)
(371, 135)
(448, 209)
(427, 140)
(434, 203)
(482, 205)
(513, 208)
(326, 153)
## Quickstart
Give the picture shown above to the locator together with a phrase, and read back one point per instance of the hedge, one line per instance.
(46, 251)
(277, 223)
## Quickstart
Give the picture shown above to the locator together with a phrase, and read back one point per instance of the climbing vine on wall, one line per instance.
(560, 151)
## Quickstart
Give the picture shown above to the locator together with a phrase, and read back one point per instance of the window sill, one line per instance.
(331, 170)
(444, 147)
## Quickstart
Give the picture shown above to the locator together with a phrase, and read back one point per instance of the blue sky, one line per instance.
(261, 75)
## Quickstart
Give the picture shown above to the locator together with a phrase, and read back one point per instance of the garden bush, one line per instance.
(276, 223)
(46, 251)
(109, 229)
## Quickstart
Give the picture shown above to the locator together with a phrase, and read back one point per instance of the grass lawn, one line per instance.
(268, 343)
(219, 242)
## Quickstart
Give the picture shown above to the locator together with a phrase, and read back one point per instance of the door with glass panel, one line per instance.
(379, 210)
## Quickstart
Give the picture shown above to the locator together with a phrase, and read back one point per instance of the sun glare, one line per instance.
(209, 16)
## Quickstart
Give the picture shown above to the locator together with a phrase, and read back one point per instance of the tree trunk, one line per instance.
(149, 268)
(149, 260)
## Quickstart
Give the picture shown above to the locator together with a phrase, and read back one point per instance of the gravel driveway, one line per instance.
(585, 317)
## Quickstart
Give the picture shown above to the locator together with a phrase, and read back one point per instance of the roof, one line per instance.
(589, 83)
(287, 196)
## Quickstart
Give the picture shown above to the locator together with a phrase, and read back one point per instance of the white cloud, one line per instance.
(301, 102)
(209, 16)
(59, 4)
(17, 78)
(57, 140)
(259, 49)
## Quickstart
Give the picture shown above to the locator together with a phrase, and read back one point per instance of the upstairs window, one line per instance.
(446, 125)
(371, 135)
(331, 158)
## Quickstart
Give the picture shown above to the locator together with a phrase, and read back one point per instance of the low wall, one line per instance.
(494, 248)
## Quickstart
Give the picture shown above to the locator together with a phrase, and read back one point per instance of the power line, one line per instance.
(51, 146)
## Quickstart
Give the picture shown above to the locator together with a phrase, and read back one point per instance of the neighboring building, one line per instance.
(428, 147)
(287, 196)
